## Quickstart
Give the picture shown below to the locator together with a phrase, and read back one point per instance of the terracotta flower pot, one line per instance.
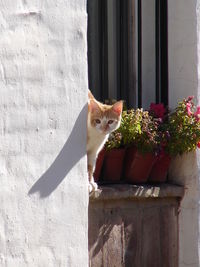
(99, 164)
(113, 164)
(139, 169)
(160, 169)
(128, 159)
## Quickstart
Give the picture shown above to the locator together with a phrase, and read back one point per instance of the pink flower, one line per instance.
(188, 108)
(197, 113)
(158, 110)
(190, 98)
(198, 144)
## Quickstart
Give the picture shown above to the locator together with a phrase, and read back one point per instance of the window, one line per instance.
(127, 50)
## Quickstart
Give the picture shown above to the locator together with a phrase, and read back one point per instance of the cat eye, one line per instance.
(110, 121)
(97, 121)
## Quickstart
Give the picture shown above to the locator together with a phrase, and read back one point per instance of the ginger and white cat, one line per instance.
(102, 120)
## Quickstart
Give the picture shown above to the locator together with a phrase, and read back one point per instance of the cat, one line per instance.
(101, 121)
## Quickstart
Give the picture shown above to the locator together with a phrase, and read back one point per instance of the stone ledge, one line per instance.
(127, 191)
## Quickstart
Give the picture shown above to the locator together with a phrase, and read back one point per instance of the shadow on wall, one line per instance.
(65, 161)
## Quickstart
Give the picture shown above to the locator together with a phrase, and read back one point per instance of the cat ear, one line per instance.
(93, 106)
(90, 95)
(117, 107)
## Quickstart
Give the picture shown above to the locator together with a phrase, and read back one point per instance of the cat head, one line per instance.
(104, 118)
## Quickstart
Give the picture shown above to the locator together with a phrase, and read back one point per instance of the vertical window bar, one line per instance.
(118, 40)
(157, 30)
(94, 39)
(124, 51)
(139, 53)
(103, 49)
(131, 48)
(164, 51)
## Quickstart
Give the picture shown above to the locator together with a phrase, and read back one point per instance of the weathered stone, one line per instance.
(133, 225)
(126, 191)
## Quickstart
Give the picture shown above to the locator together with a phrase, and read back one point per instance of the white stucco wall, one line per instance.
(43, 180)
(184, 58)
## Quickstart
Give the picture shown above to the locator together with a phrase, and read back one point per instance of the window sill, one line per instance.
(127, 191)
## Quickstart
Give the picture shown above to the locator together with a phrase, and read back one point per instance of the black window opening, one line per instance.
(117, 51)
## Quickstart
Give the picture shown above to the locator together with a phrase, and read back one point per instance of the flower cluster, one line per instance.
(157, 110)
(148, 139)
(183, 126)
(114, 140)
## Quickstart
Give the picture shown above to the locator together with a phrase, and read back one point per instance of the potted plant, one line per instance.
(183, 127)
(161, 165)
(180, 134)
(142, 137)
(114, 157)
(130, 127)
(99, 164)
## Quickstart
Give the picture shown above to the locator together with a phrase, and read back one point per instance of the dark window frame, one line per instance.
(128, 68)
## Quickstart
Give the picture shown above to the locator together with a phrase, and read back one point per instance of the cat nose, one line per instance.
(105, 128)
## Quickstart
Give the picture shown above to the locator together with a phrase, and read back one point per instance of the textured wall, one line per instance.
(183, 59)
(43, 181)
(183, 81)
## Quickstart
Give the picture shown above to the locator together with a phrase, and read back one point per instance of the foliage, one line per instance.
(183, 127)
(130, 126)
(137, 128)
(125, 135)
(114, 140)
(147, 140)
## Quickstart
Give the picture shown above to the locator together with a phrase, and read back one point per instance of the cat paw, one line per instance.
(90, 188)
(93, 187)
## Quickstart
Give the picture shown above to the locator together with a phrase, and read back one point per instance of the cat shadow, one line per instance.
(73, 150)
